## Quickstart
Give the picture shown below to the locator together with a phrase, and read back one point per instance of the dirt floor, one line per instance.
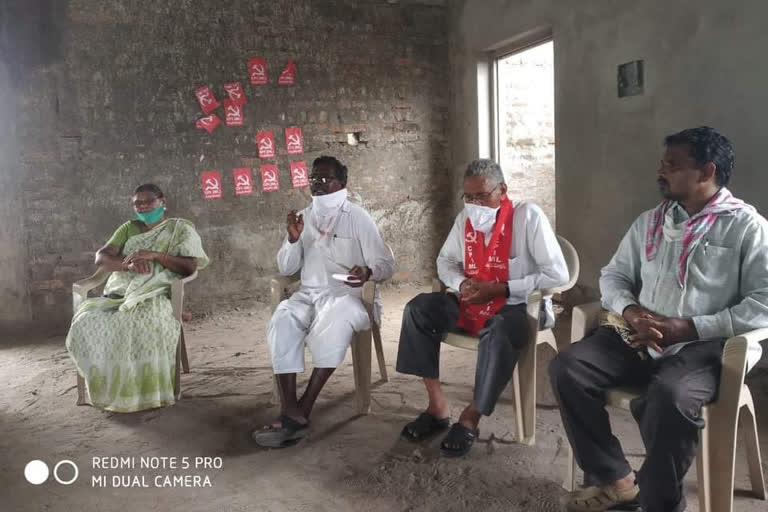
(348, 463)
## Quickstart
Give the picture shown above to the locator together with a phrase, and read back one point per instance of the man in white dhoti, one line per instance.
(324, 314)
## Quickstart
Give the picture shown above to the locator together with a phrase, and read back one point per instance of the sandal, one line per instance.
(598, 499)
(426, 425)
(462, 437)
(288, 434)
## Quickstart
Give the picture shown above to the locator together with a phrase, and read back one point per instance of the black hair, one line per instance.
(339, 169)
(707, 145)
(150, 187)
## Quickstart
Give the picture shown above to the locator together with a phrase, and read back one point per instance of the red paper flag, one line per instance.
(270, 179)
(211, 183)
(257, 70)
(288, 76)
(206, 99)
(299, 174)
(234, 113)
(235, 92)
(243, 181)
(208, 123)
(294, 142)
(265, 141)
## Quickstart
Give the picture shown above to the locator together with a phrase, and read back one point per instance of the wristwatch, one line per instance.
(506, 289)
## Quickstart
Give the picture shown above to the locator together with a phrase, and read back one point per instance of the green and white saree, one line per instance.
(124, 344)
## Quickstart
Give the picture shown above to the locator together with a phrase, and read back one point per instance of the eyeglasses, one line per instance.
(478, 198)
(321, 179)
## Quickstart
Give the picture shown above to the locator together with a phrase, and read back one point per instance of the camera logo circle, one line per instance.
(56, 472)
(37, 472)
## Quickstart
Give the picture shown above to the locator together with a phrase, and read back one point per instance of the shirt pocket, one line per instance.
(714, 269)
(346, 251)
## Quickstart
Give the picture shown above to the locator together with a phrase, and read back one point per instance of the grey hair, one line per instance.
(486, 168)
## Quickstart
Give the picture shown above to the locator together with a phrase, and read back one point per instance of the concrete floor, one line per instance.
(347, 463)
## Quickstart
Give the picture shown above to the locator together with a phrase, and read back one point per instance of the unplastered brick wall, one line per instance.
(526, 82)
(105, 100)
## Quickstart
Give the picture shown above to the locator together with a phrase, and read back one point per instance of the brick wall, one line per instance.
(527, 134)
(104, 101)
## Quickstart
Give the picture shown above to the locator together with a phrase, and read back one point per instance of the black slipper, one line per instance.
(426, 425)
(461, 436)
(288, 434)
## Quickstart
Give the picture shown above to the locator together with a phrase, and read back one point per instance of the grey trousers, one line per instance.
(429, 315)
(669, 415)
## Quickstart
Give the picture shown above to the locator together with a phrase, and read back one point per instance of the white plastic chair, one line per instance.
(80, 291)
(524, 376)
(283, 287)
(716, 457)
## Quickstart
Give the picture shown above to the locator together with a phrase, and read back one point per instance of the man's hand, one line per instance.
(295, 226)
(657, 331)
(481, 292)
(362, 273)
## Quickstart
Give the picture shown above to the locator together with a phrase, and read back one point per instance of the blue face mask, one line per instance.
(151, 216)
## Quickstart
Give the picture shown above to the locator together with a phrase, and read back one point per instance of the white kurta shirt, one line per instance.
(535, 258)
(355, 240)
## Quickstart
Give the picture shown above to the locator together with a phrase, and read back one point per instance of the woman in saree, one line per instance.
(124, 343)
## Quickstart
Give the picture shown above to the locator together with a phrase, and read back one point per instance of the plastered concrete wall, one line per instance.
(704, 64)
(98, 97)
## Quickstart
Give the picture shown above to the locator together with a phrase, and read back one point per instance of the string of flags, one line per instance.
(242, 178)
(211, 181)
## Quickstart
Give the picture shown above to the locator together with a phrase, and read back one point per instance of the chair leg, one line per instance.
(183, 346)
(80, 390)
(749, 431)
(177, 371)
(570, 479)
(518, 405)
(376, 331)
(527, 375)
(703, 467)
(361, 365)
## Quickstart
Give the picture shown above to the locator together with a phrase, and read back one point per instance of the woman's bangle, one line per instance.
(165, 260)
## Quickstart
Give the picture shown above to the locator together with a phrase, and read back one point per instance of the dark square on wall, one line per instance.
(630, 78)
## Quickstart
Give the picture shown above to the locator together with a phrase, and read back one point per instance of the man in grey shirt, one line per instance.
(688, 275)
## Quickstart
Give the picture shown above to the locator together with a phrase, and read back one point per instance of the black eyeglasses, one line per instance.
(322, 179)
(478, 198)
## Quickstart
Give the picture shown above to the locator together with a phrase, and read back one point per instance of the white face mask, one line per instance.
(328, 204)
(482, 217)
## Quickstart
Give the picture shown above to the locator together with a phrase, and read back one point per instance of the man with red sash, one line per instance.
(496, 254)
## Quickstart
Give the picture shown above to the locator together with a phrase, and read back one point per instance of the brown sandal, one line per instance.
(598, 499)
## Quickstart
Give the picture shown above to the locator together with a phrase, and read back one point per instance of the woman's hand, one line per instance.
(141, 261)
(138, 266)
(142, 255)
